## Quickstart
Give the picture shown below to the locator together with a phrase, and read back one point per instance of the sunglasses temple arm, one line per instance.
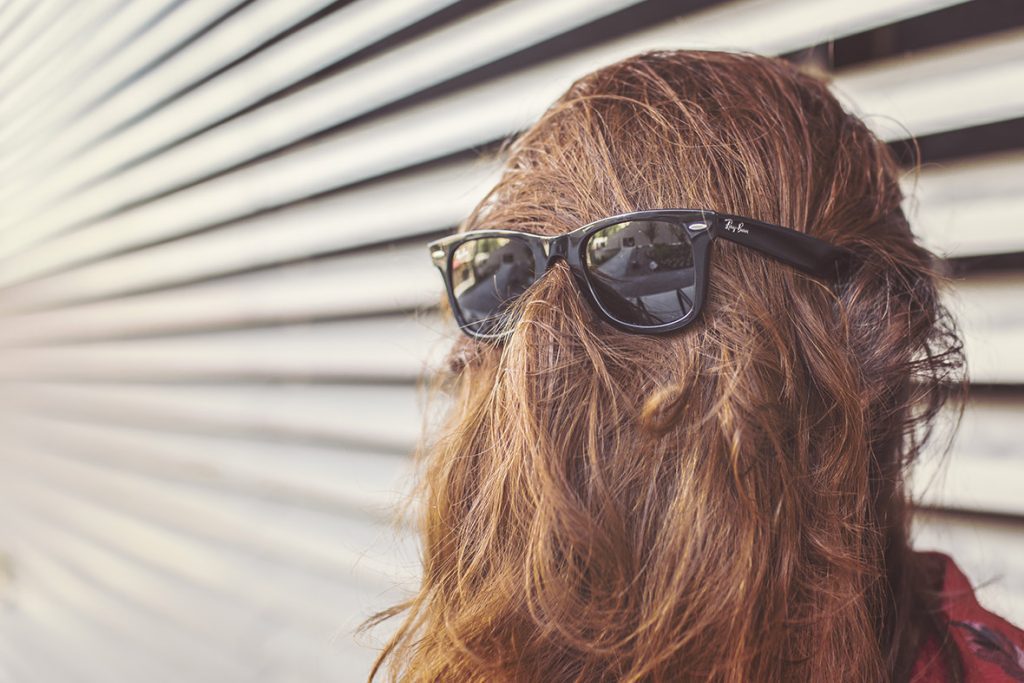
(809, 254)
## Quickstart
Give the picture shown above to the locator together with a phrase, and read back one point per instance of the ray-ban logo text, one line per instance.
(731, 227)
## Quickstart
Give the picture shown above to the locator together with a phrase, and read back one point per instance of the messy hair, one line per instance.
(724, 503)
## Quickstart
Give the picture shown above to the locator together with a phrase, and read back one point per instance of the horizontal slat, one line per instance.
(124, 628)
(992, 321)
(431, 200)
(225, 43)
(486, 112)
(90, 649)
(38, 18)
(985, 484)
(339, 35)
(984, 469)
(983, 472)
(327, 545)
(78, 24)
(80, 59)
(395, 347)
(332, 38)
(959, 209)
(387, 348)
(84, 637)
(402, 279)
(19, 68)
(37, 11)
(189, 605)
(969, 207)
(174, 29)
(381, 417)
(953, 86)
(215, 325)
(286, 600)
(11, 14)
(356, 483)
(509, 27)
(127, 628)
(963, 553)
(215, 557)
(237, 627)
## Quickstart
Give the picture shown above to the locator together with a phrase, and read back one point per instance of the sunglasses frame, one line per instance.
(811, 255)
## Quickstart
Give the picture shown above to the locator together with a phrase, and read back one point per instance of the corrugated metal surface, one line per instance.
(210, 332)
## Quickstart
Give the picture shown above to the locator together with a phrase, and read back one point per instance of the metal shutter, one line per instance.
(206, 415)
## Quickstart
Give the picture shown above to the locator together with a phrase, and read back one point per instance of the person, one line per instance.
(677, 439)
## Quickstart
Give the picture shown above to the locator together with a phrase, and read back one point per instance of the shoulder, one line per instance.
(991, 647)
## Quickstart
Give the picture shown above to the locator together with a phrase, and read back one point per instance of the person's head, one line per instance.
(722, 503)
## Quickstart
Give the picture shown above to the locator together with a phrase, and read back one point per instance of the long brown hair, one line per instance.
(724, 503)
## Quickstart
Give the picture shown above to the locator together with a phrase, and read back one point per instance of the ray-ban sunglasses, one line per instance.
(644, 271)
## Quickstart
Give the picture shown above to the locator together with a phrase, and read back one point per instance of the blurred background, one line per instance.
(216, 299)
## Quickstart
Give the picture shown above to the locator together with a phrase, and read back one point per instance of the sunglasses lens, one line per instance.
(488, 273)
(642, 271)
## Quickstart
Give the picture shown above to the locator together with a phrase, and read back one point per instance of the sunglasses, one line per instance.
(643, 272)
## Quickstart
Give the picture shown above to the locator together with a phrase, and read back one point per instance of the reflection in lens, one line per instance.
(487, 274)
(642, 271)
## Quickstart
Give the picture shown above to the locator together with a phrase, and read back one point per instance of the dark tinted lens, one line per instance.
(642, 271)
(487, 274)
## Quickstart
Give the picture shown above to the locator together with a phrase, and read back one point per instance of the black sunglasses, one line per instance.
(643, 271)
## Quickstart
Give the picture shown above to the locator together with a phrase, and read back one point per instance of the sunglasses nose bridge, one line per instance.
(555, 247)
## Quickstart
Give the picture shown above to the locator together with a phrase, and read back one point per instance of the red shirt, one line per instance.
(992, 648)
